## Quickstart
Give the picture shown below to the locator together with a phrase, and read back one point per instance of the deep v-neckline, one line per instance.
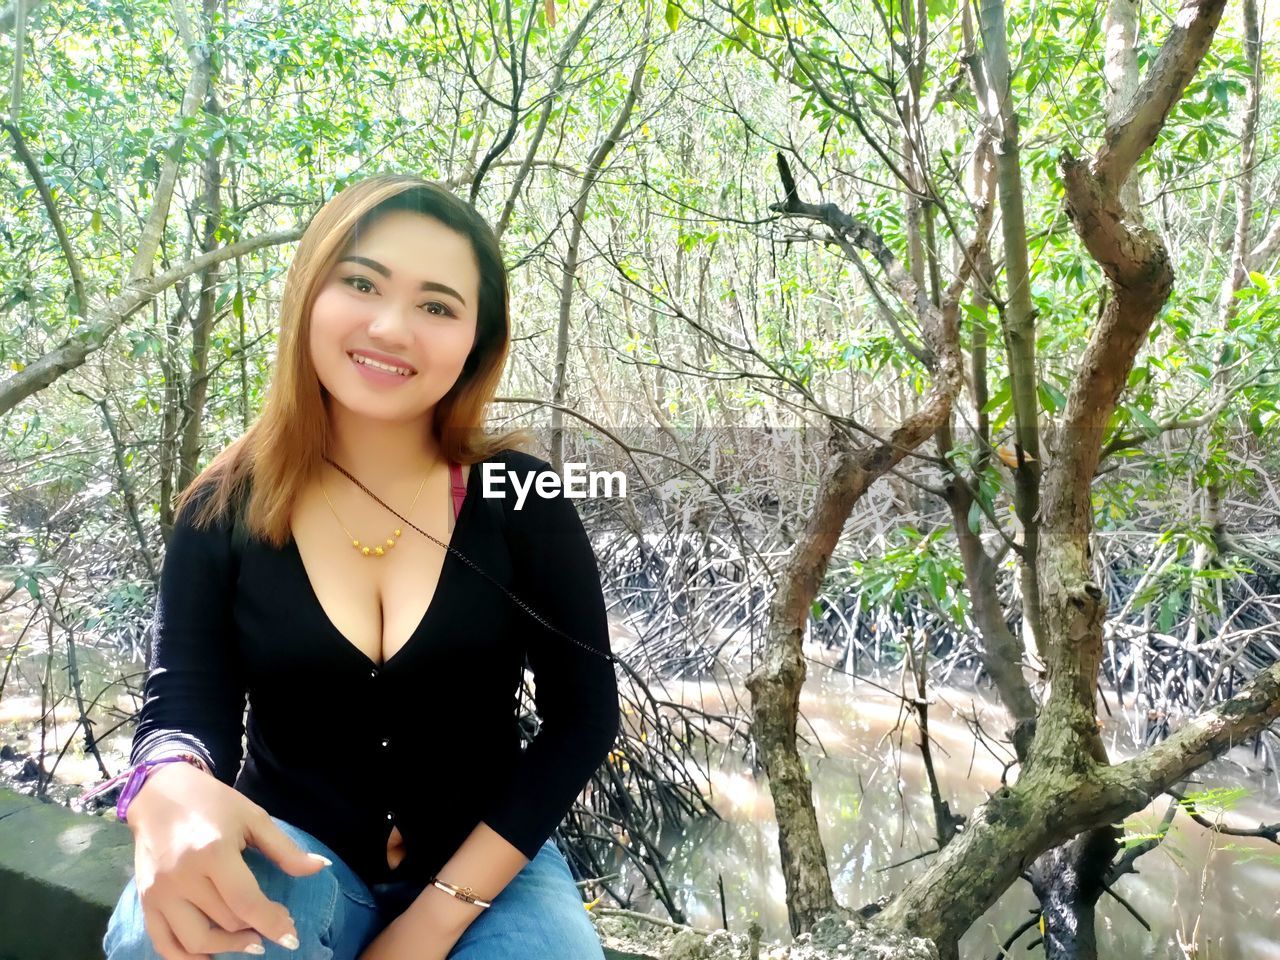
(463, 512)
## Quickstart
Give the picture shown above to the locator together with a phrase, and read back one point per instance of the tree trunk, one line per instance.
(776, 682)
(197, 47)
(569, 275)
(1237, 276)
(202, 323)
(1000, 650)
(1068, 881)
(1018, 315)
(1066, 786)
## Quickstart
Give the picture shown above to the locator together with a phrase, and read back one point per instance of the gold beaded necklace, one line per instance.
(390, 542)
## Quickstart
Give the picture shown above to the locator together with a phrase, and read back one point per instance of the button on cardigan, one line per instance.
(428, 741)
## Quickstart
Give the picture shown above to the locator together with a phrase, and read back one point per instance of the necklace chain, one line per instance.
(390, 542)
(467, 560)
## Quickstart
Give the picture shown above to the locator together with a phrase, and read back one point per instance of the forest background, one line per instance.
(937, 341)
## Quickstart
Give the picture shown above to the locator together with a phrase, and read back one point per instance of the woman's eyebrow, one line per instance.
(432, 285)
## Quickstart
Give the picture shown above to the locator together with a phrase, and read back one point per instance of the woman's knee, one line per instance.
(334, 919)
(350, 912)
(312, 906)
(126, 937)
(539, 915)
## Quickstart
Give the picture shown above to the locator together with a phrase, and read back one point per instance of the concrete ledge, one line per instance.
(60, 876)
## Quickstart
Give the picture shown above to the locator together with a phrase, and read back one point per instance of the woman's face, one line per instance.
(405, 293)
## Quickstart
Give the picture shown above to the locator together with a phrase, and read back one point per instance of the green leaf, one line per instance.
(672, 15)
(937, 581)
(1169, 608)
(1051, 398)
(1224, 798)
(1149, 426)
(999, 397)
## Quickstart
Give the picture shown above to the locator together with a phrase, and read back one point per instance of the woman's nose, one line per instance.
(391, 322)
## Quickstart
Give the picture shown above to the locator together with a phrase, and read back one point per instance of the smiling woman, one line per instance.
(388, 330)
(434, 826)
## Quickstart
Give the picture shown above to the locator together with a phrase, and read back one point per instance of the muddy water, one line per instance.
(1218, 895)
(108, 704)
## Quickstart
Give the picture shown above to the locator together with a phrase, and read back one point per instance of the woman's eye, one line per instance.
(355, 282)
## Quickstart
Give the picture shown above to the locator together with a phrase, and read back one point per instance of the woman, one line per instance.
(384, 799)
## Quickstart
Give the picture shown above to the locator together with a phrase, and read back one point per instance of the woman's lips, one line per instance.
(374, 375)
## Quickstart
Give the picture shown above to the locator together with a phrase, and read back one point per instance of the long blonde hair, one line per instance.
(284, 448)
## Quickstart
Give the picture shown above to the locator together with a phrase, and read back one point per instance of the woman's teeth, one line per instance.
(358, 358)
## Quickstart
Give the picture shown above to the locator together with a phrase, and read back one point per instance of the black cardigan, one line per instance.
(344, 747)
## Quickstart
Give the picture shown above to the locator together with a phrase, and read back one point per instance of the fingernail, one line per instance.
(325, 860)
(289, 941)
(255, 948)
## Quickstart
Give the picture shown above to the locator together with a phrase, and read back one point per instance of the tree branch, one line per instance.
(1203, 738)
(1136, 127)
(73, 351)
(55, 218)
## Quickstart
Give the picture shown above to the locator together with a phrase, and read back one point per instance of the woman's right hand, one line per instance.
(189, 830)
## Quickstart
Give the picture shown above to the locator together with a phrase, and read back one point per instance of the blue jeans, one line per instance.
(537, 916)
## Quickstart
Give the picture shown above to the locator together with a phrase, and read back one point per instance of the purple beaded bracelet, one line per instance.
(137, 776)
